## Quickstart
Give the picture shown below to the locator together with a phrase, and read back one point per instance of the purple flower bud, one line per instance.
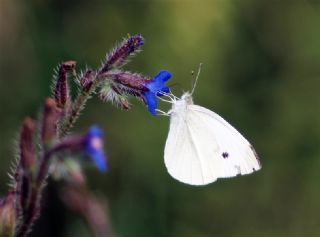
(23, 175)
(128, 83)
(51, 117)
(27, 151)
(86, 80)
(8, 216)
(94, 147)
(61, 90)
(118, 57)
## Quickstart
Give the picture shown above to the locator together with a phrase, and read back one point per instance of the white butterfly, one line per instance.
(202, 147)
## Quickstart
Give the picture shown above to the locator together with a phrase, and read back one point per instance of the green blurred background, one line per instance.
(260, 72)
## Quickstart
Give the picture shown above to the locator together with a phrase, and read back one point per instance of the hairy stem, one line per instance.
(79, 103)
(34, 204)
(77, 107)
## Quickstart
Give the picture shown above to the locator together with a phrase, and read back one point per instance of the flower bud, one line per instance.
(27, 151)
(61, 90)
(129, 81)
(51, 117)
(118, 57)
(86, 80)
(8, 217)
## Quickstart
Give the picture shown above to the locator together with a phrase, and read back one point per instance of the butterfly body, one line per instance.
(202, 147)
(180, 107)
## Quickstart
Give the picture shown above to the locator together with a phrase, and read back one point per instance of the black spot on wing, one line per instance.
(225, 155)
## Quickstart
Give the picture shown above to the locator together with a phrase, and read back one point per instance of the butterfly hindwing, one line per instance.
(202, 147)
(182, 157)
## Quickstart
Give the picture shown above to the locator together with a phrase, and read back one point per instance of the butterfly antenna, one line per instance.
(195, 79)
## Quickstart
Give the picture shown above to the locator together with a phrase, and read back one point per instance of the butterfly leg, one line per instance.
(162, 113)
(171, 97)
(164, 100)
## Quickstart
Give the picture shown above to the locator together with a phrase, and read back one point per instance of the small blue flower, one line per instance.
(156, 87)
(94, 147)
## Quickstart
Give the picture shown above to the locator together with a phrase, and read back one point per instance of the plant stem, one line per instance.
(78, 105)
(34, 205)
(75, 111)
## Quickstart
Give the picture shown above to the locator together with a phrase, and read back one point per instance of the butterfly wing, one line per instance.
(202, 147)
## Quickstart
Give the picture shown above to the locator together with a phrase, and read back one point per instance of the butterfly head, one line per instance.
(187, 98)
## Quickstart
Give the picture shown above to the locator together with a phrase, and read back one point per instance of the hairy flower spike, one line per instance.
(132, 81)
(118, 57)
(21, 207)
(51, 117)
(126, 83)
(61, 90)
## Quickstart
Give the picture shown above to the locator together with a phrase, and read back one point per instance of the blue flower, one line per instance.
(94, 147)
(156, 87)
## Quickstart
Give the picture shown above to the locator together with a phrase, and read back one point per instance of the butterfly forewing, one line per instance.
(182, 157)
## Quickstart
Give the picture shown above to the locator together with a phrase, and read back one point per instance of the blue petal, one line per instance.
(95, 131)
(151, 101)
(158, 82)
(99, 160)
(163, 76)
(156, 87)
(94, 147)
